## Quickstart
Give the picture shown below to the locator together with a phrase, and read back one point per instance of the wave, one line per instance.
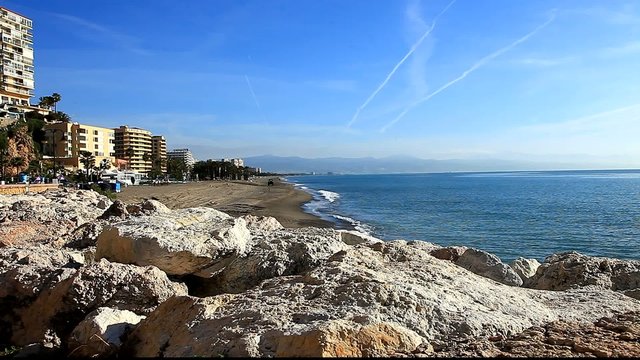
(324, 205)
(358, 225)
(329, 195)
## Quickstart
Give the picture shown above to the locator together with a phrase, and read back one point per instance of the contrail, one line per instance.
(252, 93)
(473, 68)
(413, 48)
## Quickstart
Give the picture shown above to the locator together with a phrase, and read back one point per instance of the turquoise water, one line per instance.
(510, 214)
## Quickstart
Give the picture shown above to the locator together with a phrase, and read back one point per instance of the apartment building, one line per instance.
(235, 162)
(159, 150)
(182, 154)
(135, 146)
(16, 69)
(65, 141)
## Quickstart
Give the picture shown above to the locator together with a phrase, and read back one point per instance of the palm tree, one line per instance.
(46, 101)
(18, 162)
(128, 154)
(64, 117)
(88, 160)
(147, 157)
(55, 98)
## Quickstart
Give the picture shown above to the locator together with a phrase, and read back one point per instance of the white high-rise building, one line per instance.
(16, 67)
(182, 154)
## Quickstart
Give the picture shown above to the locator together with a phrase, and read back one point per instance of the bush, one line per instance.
(106, 192)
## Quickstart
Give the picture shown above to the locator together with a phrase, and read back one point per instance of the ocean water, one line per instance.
(510, 214)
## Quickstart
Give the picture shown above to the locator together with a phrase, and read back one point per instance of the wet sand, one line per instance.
(281, 201)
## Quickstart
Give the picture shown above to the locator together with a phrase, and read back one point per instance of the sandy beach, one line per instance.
(235, 198)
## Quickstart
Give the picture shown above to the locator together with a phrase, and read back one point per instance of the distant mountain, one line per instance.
(394, 164)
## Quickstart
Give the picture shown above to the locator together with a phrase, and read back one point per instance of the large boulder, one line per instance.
(274, 253)
(525, 268)
(101, 333)
(25, 273)
(46, 217)
(180, 242)
(58, 310)
(85, 235)
(377, 300)
(488, 265)
(571, 269)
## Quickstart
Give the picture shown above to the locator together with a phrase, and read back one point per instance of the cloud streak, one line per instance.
(466, 73)
(253, 94)
(118, 38)
(395, 68)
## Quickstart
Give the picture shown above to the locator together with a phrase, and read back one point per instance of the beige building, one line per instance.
(65, 141)
(159, 150)
(134, 145)
(16, 37)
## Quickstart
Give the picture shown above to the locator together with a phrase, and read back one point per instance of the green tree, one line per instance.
(88, 160)
(176, 168)
(156, 167)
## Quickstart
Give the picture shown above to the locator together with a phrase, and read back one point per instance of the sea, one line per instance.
(511, 214)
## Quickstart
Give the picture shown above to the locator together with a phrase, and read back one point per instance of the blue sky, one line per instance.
(488, 79)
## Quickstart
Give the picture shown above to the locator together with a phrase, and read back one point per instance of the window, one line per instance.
(95, 153)
(95, 132)
(95, 139)
(96, 146)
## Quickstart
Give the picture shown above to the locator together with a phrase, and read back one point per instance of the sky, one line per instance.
(543, 80)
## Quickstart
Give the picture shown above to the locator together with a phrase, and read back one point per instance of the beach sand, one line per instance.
(281, 201)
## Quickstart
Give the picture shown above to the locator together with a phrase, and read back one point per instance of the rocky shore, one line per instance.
(81, 275)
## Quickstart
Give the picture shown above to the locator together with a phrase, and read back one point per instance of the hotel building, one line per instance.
(16, 68)
(184, 155)
(159, 150)
(65, 141)
(135, 146)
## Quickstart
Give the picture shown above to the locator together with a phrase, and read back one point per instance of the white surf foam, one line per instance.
(329, 195)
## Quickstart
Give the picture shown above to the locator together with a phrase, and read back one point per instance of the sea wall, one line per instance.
(12, 189)
(92, 277)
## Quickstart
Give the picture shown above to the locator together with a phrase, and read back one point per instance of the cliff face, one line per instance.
(107, 278)
(20, 145)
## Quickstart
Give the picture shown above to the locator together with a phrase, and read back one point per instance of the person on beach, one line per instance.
(269, 184)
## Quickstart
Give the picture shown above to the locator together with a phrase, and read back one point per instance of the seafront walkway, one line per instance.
(12, 189)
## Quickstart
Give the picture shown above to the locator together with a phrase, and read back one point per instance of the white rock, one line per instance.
(488, 265)
(185, 241)
(391, 285)
(100, 333)
(525, 268)
(571, 270)
(118, 286)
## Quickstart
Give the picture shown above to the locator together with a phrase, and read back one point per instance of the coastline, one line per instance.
(282, 200)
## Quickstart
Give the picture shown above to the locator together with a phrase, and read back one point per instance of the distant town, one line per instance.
(40, 143)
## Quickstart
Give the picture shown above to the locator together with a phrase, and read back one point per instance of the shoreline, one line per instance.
(282, 201)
